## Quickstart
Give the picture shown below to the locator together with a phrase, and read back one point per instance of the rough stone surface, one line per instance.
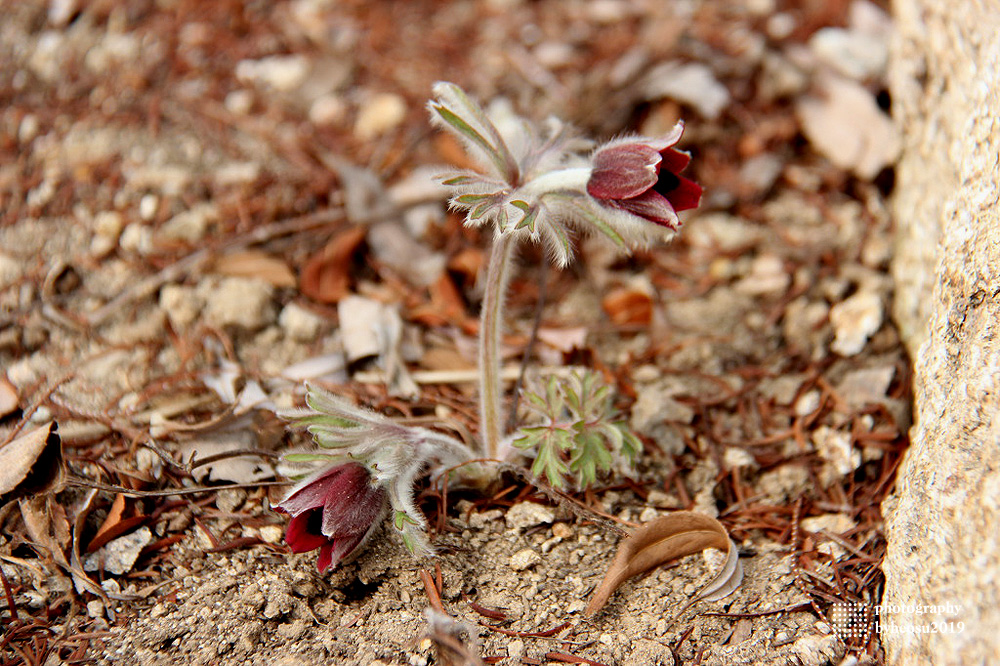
(941, 523)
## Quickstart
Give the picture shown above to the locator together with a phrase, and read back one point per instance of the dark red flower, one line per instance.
(334, 510)
(642, 177)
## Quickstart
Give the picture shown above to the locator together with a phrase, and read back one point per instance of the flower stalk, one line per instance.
(490, 335)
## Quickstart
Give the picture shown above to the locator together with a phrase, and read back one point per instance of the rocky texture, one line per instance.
(942, 522)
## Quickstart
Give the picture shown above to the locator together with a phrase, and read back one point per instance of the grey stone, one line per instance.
(941, 522)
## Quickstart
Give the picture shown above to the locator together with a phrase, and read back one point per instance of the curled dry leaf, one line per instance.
(31, 463)
(326, 277)
(664, 539)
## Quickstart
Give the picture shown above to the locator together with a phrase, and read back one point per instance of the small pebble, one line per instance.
(239, 102)
(191, 225)
(182, 305)
(807, 403)
(854, 321)
(244, 303)
(300, 324)
(524, 559)
(528, 514)
(327, 110)
(148, 205)
(562, 530)
(283, 73)
(95, 608)
(379, 115)
(648, 514)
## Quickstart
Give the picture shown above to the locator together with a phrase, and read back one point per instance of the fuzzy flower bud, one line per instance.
(642, 177)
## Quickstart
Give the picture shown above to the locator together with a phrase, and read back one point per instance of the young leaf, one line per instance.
(664, 539)
(590, 455)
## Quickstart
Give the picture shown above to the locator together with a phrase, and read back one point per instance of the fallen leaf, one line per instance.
(326, 277)
(564, 339)
(628, 306)
(8, 397)
(468, 263)
(441, 358)
(664, 539)
(31, 464)
(451, 151)
(44, 526)
(254, 263)
(116, 524)
(846, 125)
(446, 305)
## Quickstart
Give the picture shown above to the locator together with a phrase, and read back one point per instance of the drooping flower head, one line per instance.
(642, 177)
(537, 185)
(369, 464)
(335, 510)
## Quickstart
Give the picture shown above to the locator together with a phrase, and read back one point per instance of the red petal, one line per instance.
(298, 536)
(674, 161)
(311, 493)
(342, 548)
(651, 206)
(325, 559)
(623, 171)
(685, 196)
(352, 506)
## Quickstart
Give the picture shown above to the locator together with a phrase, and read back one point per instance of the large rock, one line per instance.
(942, 523)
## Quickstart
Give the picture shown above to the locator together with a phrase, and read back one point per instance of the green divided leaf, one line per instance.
(582, 434)
(590, 456)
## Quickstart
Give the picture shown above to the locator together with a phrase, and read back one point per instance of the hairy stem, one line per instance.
(490, 330)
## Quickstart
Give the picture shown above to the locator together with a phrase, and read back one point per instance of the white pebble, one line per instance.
(524, 559)
(380, 114)
(283, 73)
(854, 321)
(299, 323)
(528, 514)
(244, 303)
(181, 304)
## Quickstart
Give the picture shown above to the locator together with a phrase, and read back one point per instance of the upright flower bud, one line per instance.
(642, 177)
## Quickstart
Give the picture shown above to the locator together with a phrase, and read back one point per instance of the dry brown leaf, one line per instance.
(664, 539)
(116, 524)
(468, 263)
(8, 397)
(445, 358)
(452, 152)
(446, 305)
(628, 306)
(254, 263)
(326, 276)
(31, 463)
(45, 526)
(564, 339)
